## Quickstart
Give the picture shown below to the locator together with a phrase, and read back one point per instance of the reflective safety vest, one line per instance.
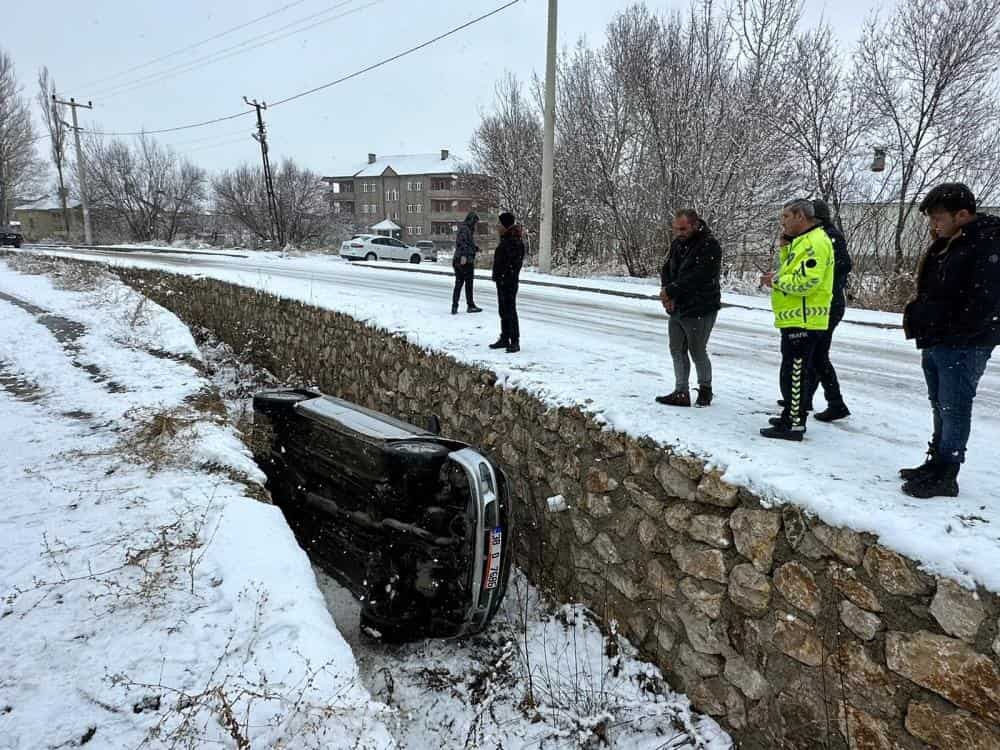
(803, 284)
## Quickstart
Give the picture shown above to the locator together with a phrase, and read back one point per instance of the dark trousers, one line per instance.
(510, 329)
(952, 376)
(464, 274)
(823, 372)
(797, 348)
(689, 341)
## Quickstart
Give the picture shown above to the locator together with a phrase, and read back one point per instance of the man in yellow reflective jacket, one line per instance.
(802, 291)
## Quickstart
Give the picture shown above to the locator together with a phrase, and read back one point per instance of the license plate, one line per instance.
(493, 558)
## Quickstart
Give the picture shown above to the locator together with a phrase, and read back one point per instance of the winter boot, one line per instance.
(473, 308)
(677, 398)
(513, 348)
(454, 309)
(704, 396)
(938, 480)
(918, 471)
(778, 422)
(783, 429)
(500, 343)
(833, 412)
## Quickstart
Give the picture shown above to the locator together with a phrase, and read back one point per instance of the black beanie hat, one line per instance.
(507, 219)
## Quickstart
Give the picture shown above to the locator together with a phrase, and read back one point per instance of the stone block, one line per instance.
(712, 489)
(678, 516)
(712, 530)
(606, 550)
(863, 624)
(958, 611)
(666, 638)
(845, 544)
(863, 731)
(638, 462)
(704, 665)
(599, 482)
(948, 667)
(674, 483)
(953, 730)
(583, 529)
(700, 561)
(624, 584)
(689, 466)
(705, 636)
(797, 584)
(651, 505)
(661, 582)
(749, 590)
(893, 572)
(755, 533)
(599, 506)
(796, 638)
(750, 682)
(864, 682)
(704, 596)
(648, 533)
(846, 582)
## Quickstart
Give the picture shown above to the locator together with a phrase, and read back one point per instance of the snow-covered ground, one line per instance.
(150, 601)
(147, 600)
(609, 355)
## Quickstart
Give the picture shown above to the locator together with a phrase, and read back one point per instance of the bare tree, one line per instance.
(929, 76)
(55, 126)
(143, 189)
(20, 169)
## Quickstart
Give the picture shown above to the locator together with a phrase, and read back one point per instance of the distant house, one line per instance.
(43, 218)
(425, 195)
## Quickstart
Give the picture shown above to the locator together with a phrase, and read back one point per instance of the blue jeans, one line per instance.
(952, 375)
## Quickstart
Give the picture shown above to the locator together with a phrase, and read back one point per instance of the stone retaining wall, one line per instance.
(792, 633)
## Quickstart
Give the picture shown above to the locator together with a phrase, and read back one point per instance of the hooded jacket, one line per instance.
(958, 289)
(691, 271)
(465, 245)
(509, 256)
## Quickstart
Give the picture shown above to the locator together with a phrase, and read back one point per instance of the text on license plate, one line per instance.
(493, 558)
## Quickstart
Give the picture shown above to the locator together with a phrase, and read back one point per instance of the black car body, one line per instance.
(11, 236)
(416, 526)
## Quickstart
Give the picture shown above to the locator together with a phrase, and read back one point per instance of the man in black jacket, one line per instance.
(464, 263)
(955, 319)
(691, 294)
(507, 261)
(823, 371)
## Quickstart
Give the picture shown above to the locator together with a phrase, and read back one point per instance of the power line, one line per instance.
(275, 35)
(301, 94)
(221, 34)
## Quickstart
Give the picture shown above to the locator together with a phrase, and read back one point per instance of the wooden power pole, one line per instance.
(88, 236)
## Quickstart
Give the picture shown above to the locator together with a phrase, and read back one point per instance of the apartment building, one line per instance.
(424, 195)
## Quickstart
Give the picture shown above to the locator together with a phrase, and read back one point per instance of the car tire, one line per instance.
(415, 258)
(371, 257)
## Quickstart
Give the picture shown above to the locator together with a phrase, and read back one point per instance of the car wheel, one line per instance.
(415, 258)
(371, 256)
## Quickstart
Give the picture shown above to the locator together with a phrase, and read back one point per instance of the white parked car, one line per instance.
(377, 247)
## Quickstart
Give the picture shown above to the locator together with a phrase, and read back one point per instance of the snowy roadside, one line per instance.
(148, 600)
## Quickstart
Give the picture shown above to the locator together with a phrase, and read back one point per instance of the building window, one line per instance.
(441, 183)
(415, 230)
(369, 187)
(344, 187)
(395, 215)
(391, 195)
(441, 207)
(369, 208)
(415, 186)
(414, 208)
(442, 227)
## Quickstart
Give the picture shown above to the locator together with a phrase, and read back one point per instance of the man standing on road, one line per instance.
(823, 372)
(464, 263)
(955, 319)
(507, 262)
(801, 295)
(691, 295)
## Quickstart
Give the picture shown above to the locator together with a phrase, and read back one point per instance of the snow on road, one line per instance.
(610, 355)
(147, 599)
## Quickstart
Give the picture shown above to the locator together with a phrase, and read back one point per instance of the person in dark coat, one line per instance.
(507, 262)
(464, 263)
(955, 320)
(823, 372)
(691, 294)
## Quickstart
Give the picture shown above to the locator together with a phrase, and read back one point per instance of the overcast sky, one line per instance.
(430, 100)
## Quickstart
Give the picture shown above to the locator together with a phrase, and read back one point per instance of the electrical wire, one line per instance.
(248, 45)
(302, 94)
(220, 35)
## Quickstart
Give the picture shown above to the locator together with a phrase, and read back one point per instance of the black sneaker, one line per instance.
(833, 412)
(704, 396)
(938, 480)
(677, 398)
(473, 308)
(784, 431)
(499, 344)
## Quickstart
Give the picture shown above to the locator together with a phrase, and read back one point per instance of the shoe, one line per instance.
(500, 344)
(938, 480)
(513, 347)
(784, 431)
(704, 396)
(833, 412)
(779, 421)
(677, 398)
(454, 309)
(919, 471)
(473, 308)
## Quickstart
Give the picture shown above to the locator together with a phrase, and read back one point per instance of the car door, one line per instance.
(399, 250)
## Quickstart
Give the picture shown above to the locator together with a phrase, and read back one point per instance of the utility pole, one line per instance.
(277, 230)
(88, 236)
(548, 147)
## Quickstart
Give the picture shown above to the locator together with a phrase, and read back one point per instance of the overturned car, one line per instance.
(416, 526)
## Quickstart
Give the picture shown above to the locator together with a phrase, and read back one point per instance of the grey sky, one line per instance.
(430, 100)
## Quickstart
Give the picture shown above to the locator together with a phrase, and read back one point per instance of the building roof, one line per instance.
(385, 226)
(405, 165)
(46, 203)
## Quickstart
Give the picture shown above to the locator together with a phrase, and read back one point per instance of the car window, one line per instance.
(396, 243)
(380, 241)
